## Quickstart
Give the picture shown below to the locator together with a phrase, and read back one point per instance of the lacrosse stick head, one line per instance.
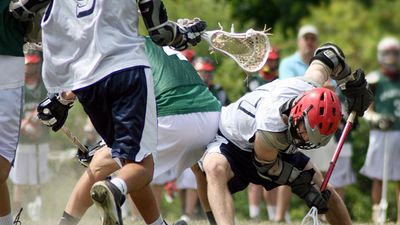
(249, 50)
(311, 218)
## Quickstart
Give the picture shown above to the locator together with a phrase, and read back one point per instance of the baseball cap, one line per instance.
(307, 29)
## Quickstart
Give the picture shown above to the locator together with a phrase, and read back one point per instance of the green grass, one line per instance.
(64, 175)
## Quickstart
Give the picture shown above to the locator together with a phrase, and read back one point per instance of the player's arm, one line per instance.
(164, 32)
(271, 167)
(329, 62)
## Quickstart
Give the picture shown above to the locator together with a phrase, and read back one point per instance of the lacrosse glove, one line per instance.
(303, 187)
(53, 111)
(358, 95)
(86, 157)
(332, 56)
(188, 32)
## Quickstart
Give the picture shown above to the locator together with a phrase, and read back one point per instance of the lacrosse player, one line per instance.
(92, 51)
(184, 104)
(259, 135)
(30, 169)
(13, 30)
(384, 119)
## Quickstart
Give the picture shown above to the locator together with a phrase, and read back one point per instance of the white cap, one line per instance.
(307, 29)
(388, 42)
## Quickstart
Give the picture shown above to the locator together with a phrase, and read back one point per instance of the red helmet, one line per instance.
(203, 64)
(273, 54)
(189, 54)
(321, 112)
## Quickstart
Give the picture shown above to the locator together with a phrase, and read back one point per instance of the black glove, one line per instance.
(358, 94)
(303, 187)
(190, 32)
(86, 157)
(52, 112)
(332, 56)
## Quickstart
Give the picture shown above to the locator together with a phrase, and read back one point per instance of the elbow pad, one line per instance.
(161, 31)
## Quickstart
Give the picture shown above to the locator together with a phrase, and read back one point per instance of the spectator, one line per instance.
(30, 169)
(384, 118)
(296, 64)
(205, 67)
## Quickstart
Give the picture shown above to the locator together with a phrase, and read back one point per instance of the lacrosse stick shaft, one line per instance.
(73, 139)
(383, 202)
(347, 127)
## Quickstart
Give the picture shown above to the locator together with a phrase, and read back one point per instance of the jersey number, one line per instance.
(248, 107)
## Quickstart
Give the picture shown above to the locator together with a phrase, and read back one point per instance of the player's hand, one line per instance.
(53, 112)
(303, 187)
(386, 122)
(86, 157)
(358, 94)
(190, 30)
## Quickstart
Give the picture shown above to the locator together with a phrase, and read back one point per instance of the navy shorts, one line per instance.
(122, 109)
(241, 163)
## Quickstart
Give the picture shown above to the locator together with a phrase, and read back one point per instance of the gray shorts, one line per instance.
(11, 101)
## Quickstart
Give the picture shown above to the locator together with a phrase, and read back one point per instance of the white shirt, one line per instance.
(86, 40)
(259, 110)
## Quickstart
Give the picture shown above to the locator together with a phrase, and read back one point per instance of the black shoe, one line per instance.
(16, 220)
(108, 198)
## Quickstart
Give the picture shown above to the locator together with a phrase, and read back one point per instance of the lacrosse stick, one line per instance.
(74, 139)
(383, 204)
(312, 216)
(249, 50)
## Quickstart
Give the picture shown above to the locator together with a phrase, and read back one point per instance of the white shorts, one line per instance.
(187, 180)
(373, 165)
(163, 178)
(343, 174)
(321, 157)
(11, 101)
(30, 166)
(182, 140)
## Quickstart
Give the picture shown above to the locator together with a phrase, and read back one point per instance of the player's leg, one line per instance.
(283, 203)
(201, 181)
(11, 100)
(270, 198)
(254, 193)
(218, 173)
(101, 166)
(187, 183)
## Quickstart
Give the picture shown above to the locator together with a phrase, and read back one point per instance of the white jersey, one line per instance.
(260, 110)
(86, 40)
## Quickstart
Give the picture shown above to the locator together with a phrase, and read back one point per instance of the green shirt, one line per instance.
(11, 32)
(387, 98)
(32, 99)
(178, 87)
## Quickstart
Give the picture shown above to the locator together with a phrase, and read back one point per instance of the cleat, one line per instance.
(108, 199)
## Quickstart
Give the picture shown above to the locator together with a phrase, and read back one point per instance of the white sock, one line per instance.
(6, 220)
(271, 212)
(121, 185)
(254, 211)
(159, 221)
(287, 217)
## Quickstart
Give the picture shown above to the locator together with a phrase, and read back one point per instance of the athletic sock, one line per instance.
(120, 184)
(254, 211)
(67, 219)
(271, 212)
(159, 221)
(6, 220)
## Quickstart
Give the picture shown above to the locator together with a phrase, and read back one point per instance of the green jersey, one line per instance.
(178, 88)
(387, 98)
(32, 99)
(11, 32)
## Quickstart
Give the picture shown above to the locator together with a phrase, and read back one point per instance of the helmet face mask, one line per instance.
(318, 113)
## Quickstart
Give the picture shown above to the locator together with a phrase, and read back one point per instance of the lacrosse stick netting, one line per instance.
(249, 50)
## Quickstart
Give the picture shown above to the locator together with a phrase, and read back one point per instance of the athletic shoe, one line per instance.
(108, 199)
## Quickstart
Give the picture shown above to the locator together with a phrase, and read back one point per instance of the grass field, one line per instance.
(64, 175)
